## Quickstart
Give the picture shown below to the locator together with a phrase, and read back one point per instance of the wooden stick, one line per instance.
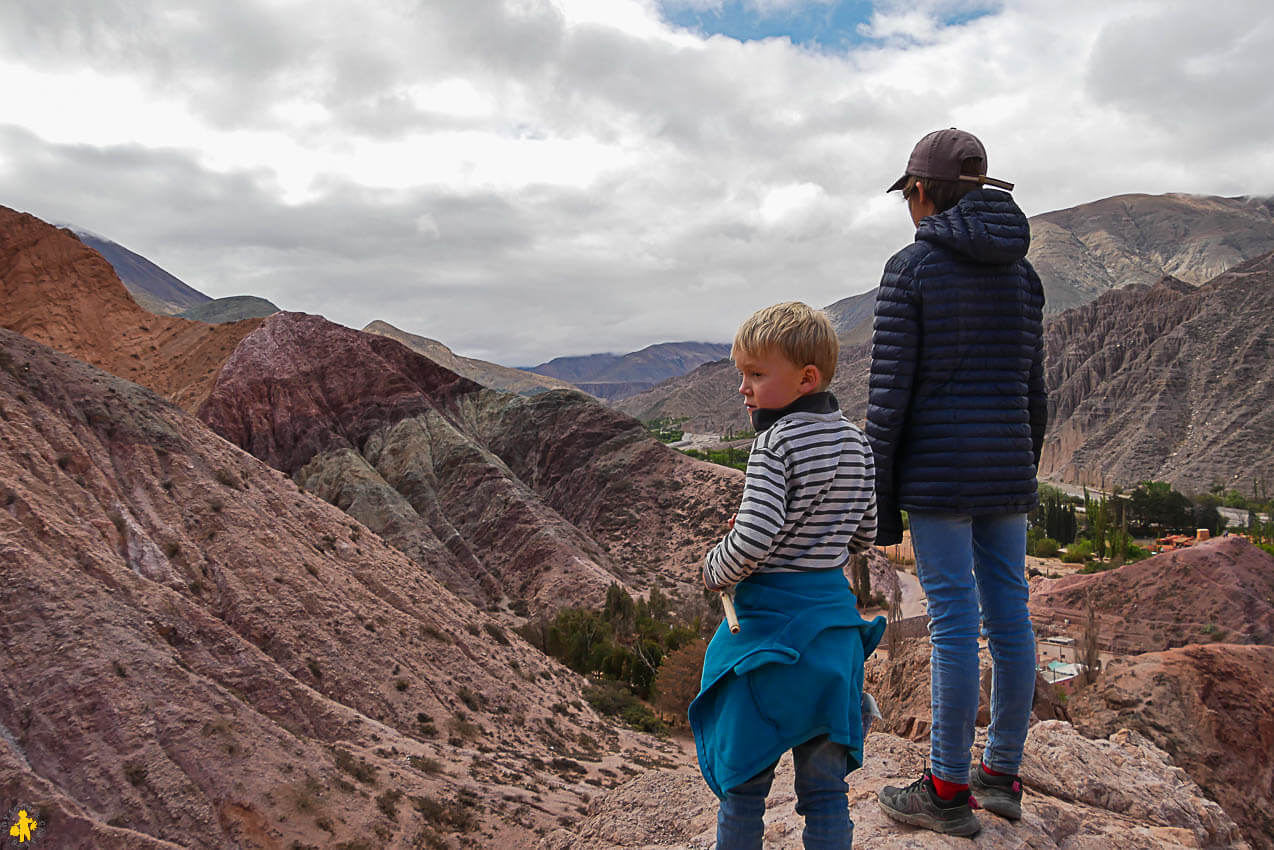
(731, 616)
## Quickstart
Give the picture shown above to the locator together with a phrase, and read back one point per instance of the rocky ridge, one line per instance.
(197, 654)
(488, 374)
(232, 308)
(544, 500)
(58, 291)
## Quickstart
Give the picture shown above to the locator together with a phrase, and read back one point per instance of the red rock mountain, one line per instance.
(198, 655)
(58, 291)
(1221, 590)
(1169, 383)
(545, 499)
(1211, 708)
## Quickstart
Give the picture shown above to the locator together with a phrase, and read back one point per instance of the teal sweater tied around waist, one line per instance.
(793, 671)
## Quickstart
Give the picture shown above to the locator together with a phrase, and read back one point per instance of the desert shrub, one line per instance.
(135, 773)
(497, 632)
(356, 767)
(469, 698)
(388, 802)
(1078, 552)
(1046, 547)
(425, 764)
(640, 717)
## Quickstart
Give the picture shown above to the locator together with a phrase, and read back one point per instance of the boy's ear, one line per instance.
(811, 379)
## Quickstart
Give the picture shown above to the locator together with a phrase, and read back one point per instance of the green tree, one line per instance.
(1154, 504)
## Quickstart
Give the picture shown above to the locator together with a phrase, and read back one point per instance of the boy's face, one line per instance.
(770, 381)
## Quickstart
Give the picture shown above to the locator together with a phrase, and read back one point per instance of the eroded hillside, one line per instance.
(199, 653)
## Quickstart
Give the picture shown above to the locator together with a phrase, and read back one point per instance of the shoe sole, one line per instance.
(964, 828)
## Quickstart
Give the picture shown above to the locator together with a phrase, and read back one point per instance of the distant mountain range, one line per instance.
(616, 376)
(1167, 381)
(1084, 251)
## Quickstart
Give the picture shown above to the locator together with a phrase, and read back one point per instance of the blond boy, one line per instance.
(791, 679)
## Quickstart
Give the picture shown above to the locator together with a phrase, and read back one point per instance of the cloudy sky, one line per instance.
(529, 178)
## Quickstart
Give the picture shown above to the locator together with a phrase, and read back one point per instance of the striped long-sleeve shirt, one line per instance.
(808, 500)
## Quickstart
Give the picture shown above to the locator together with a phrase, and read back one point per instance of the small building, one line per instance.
(1062, 675)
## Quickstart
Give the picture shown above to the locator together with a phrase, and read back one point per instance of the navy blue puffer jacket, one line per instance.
(957, 405)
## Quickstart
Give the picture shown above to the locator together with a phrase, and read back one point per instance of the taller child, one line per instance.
(956, 418)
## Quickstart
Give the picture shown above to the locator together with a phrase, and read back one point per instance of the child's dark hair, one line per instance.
(945, 194)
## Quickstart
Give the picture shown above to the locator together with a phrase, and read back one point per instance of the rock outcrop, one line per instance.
(540, 501)
(900, 685)
(197, 654)
(1221, 590)
(58, 291)
(1211, 708)
(1117, 792)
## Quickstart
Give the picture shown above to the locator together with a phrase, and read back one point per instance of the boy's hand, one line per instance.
(732, 517)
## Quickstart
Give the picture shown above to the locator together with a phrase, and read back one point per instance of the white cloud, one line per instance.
(530, 178)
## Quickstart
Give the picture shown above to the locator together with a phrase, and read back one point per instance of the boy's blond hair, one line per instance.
(797, 331)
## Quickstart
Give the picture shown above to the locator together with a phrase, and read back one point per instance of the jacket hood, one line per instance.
(986, 225)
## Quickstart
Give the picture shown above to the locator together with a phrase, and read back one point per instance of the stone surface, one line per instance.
(58, 291)
(1221, 590)
(1211, 708)
(1081, 794)
(198, 653)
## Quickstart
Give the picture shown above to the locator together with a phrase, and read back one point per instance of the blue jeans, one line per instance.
(974, 568)
(821, 799)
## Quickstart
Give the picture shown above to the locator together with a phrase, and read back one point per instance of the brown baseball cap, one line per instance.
(941, 155)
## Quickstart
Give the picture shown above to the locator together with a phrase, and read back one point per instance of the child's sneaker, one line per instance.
(999, 794)
(919, 805)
